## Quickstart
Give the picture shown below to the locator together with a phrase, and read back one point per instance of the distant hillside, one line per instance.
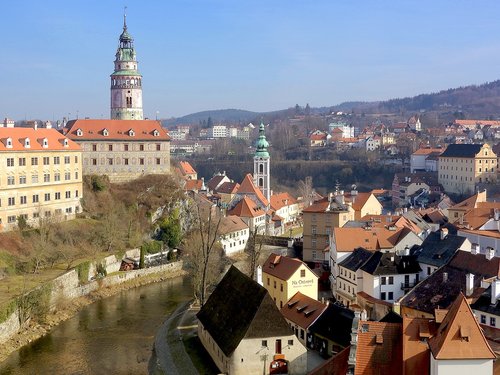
(219, 115)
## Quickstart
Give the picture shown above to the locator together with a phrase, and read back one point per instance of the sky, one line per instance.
(260, 55)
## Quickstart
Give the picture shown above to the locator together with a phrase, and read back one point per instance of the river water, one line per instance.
(113, 336)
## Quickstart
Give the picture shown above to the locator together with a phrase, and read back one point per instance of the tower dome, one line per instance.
(262, 144)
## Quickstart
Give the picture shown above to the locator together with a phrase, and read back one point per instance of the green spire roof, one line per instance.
(261, 145)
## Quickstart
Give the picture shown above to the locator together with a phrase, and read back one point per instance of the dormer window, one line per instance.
(79, 132)
(105, 132)
(156, 133)
(8, 143)
(45, 143)
(65, 142)
(131, 133)
(27, 143)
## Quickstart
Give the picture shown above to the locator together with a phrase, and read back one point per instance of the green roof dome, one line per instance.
(262, 144)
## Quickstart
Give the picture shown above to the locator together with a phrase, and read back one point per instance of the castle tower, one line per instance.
(126, 82)
(261, 164)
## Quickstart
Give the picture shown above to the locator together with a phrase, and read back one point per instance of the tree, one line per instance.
(170, 229)
(306, 191)
(307, 110)
(253, 249)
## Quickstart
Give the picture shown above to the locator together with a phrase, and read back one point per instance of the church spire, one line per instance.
(261, 164)
(262, 144)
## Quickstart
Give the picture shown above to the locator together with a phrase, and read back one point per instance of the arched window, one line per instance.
(261, 182)
(261, 168)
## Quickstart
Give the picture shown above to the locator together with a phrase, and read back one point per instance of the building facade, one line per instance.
(121, 149)
(126, 81)
(41, 176)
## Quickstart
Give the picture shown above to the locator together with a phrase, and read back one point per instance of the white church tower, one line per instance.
(261, 165)
(126, 81)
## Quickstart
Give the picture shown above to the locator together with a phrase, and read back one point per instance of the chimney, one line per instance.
(475, 249)
(259, 275)
(469, 284)
(444, 233)
(490, 253)
(495, 291)
(445, 277)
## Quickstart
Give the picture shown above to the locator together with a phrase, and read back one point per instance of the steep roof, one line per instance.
(280, 200)
(186, 168)
(461, 150)
(379, 349)
(216, 181)
(335, 324)
(55, 140)
(416, 355)
(359, 200)
(248, 187)
(281, 267)
(336, 365)
(390, 264)
(237, 295)
(302, 310)
(143, 130)
(246, 207)
(459, 335)
(436, 251)
(356, 259)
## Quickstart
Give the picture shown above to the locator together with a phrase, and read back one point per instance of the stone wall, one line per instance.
(67, 287)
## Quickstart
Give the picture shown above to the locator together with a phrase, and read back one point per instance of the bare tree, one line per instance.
(253, 249)
(306, 191)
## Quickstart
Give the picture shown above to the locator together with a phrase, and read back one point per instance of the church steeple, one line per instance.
(261, 164)
(126, 81)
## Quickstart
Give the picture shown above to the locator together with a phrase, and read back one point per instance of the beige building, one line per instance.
(283, 277)
(121, 149)
(364, 204)
(41, 176)
(463, 166)
(319, 220)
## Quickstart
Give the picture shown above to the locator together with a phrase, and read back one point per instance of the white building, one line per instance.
(218, 131)
(234, 234)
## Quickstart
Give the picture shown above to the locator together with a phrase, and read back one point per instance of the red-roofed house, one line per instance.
(187, 171)
(253, 215)
(285, 206)
(121, 149)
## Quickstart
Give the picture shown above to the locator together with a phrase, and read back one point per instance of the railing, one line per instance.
(407, 286)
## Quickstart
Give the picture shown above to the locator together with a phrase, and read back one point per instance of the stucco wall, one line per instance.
(461, 367)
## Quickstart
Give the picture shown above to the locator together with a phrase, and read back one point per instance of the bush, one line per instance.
(152, 247)
(83, 270)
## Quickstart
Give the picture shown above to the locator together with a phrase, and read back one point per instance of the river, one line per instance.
(111, 336)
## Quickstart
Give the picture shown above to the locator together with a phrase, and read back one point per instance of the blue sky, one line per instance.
(258, 55)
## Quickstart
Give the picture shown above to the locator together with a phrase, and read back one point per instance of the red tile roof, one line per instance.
(18, 136)
(337, 365)
(144, 130)
(193, 185)
(246, 208)
(186, 168)
(248, 187)
(280, 200)
(302, 310)
(281, 267)
(416, 355)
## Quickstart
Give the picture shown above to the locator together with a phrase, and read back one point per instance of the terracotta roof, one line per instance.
(373, 238)
(280, 200)
(143, 130)
(281, 267)
(427, 151)
(459, 335)
(471, 202)
(318, 137)
(359, 200)
(375, 301)
(18, 137)
(228, 188)
(477, 217)
(246, 208)
(379, 349)
(186, 168)
(416, 355)
(193, 185)
(324, 205)
(248, 187)
(302, 310)
(476, 122)
(231, 224)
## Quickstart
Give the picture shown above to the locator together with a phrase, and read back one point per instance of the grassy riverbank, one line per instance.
(34, 330)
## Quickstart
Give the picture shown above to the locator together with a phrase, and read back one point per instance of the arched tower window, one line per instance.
(261, 168)
(261, 181)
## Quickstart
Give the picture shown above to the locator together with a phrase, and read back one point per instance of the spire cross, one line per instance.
(125, 17)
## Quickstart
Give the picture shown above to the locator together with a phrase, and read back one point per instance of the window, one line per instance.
(22, 162)
(125, 147)
(57, 160)
(274, 284)
(76, 175)
(94, 147)
(110, 161)
(110, 147)
(281, 287)
(391, 280)
(302, 334)
(493, 321)
(125, 161)
(76, 159)
(35, 198)
(12, 201)
(46, 177)
(34, 161)
(302, 273)
(264, 343)
(382, 296)
(158, 147)
(10, 162)
(391, 296)
(22, 179)
(67, 160)
(47, 197)
(10, 180)
(36, 215)
(141, 161)
(24, 199)
(158, 161)
(57, 176)
(94, 161)
(290, 342)
(67, 176)
(483, 319)
(11, 219)
(68, 194)
(383, 280)
(46, 160)
(57, 196)
(69, 210)
(429, 268)
(141, 147)
(268, 281)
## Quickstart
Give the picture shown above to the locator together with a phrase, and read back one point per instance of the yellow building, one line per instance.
(41, 176)
(463, 166)
(283, 277)
(364, 204)
(319, 220)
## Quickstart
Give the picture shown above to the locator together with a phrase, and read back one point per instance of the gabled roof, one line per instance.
(248, 187)
(437, 252)
(246, 208)
(461, 150)
(194, 185)
(325, 206)
(282, 267)
(359, 200)
(356, 259)
(55, 140)
(239, 296)
(391, 264)
(230, 224)
(416, 355)
(379, 349)
(216, 181)
(186, 168)
(335, 324)
(459, 335)
(144, 130)
(302, 310)
(471, 202)
(483, 303)
(228, 188)
(428, 151)
(371, 238)
(280, 200)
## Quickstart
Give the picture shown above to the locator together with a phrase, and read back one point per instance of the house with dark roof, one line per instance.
(216, 181)
(350, 275)
(301, 312)
(462, 167)
(331, 332)
(244, 332)
(437, 250)
(284, 276)
(234, 234)
(388, 276)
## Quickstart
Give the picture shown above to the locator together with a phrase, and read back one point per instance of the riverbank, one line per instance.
(33, 330)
